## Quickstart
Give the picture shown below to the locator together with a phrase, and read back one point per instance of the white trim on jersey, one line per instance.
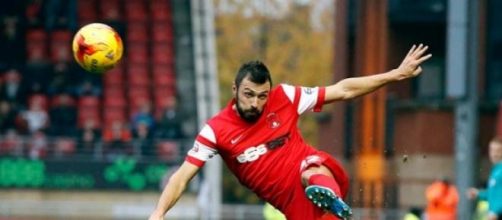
(308, 97)
(201, 151)
(208, 133)
(290, 91)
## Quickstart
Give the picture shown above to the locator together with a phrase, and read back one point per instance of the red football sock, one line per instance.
(325, 181)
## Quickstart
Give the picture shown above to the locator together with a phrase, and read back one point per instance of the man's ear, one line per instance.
(234, 90)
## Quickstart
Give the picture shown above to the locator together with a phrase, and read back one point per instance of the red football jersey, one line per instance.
(265, 156)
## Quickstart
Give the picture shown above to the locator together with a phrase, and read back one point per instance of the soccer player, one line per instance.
(257, 136)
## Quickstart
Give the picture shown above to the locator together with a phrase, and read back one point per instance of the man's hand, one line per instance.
(410, 67)
(472, 193)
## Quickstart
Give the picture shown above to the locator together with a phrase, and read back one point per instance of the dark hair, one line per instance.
(257, 72)
(497, 139)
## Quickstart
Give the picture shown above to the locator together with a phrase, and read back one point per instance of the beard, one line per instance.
(249, 115)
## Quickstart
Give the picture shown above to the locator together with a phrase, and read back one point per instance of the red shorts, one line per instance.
(301, 208)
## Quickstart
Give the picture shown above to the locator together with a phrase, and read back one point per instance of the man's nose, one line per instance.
(254, 102)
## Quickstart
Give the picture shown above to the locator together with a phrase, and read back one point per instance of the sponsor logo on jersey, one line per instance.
(235, 140)
(307, 90)
(195, 148)
(254, 153)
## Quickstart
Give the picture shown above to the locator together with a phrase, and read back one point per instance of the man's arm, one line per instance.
(173, 190)
(475, 193)
(353, 87)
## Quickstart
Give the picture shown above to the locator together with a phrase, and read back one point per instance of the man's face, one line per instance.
(251, 99)
(495, 152)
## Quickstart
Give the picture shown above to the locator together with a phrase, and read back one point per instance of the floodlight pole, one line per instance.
(462, 70)
(207, 98)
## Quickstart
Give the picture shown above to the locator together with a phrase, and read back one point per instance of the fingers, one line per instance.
(411, 51)
(417, 71)
(419, 51)
(414, 58)
(424, 58)
(415, 55)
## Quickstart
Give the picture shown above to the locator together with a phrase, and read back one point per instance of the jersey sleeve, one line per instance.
(204, 147)
(305, 98)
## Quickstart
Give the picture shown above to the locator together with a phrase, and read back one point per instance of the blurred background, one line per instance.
(76, 145)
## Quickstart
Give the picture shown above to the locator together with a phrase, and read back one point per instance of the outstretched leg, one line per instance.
(322, 188)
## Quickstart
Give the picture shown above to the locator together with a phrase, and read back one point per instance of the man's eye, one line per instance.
(262, 97)
(248, 95)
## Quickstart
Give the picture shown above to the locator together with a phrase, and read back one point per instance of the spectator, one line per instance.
(63, 146)
(167, 150)
(87, 88)
(170, 121)
(34, 12)
(11, 144)
(442, 200)
(143, 139)
(144, 116)
(38, 145)
(36, 117)
(88, 137)
(493, 192)
(62, 79)
(11, 33)
(36, 73)
(63, 116)
(14, 90)
(61, 14)
(7, 117)
(116, 140)
(95, 80)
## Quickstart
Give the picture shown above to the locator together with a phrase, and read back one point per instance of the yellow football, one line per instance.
(97, 47)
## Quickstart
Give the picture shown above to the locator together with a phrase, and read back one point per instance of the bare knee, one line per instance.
(314, 170)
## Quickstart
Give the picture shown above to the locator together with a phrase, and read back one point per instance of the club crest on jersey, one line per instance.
(273, 120)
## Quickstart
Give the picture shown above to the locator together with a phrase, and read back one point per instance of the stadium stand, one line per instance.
(48, 82)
